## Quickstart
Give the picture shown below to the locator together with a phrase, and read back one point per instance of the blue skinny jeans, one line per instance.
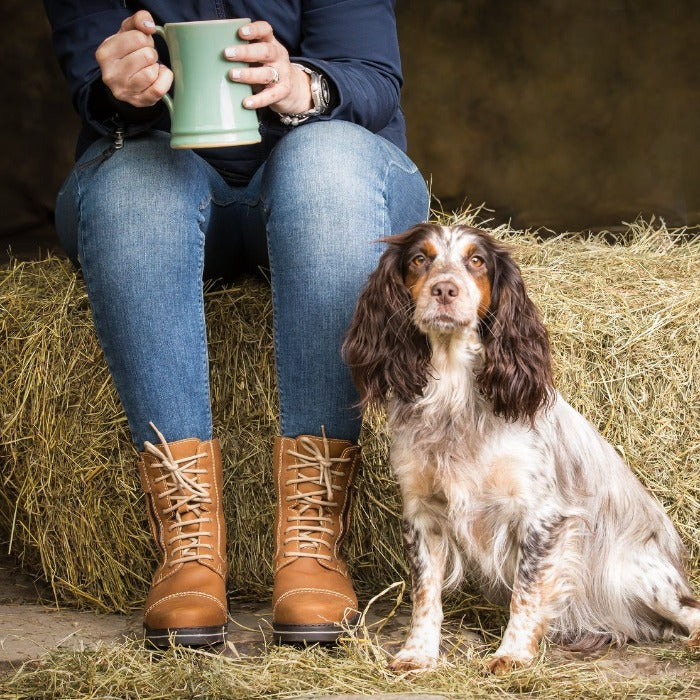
(148, 224)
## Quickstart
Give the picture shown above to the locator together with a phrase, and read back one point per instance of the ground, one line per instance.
(30, 630)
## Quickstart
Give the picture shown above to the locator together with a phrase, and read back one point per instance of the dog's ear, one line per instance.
(517, 371)
(383, 348)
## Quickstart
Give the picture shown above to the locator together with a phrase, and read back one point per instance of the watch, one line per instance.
(320, 96)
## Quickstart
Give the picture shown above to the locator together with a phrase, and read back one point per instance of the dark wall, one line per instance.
(551, 112)
(554, 112)
(37, 127)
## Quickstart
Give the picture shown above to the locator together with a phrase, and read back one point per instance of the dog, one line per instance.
(498, 474)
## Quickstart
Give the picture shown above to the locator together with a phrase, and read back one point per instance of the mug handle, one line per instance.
(166, 98)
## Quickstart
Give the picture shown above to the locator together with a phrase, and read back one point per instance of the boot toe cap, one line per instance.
(314, 606)
(185, 609)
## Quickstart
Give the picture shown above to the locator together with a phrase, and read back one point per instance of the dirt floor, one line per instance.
(29, 630)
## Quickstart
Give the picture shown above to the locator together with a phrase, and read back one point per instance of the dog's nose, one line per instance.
(445, 292)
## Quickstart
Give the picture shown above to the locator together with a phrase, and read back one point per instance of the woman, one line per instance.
(147, 223)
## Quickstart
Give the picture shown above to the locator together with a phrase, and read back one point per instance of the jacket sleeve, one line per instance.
(354, 42)
(78, 28)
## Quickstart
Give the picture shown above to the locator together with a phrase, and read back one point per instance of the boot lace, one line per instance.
(186, 496)
(314, 506)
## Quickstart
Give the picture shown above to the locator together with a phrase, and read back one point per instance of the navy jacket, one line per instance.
(353, 42)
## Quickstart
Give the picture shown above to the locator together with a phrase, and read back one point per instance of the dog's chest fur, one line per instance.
(453, 463)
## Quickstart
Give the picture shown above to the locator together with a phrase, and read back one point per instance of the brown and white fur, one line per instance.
(498, 474)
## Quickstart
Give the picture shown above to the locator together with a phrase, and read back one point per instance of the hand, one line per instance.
(291, 94)
(129, 63)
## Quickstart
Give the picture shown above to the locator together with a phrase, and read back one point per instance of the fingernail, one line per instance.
(245, 31)
(248, 103)
(149, 24)
(235, 74)
(230, 52)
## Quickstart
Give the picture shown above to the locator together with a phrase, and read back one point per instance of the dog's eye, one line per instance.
(476, 261)
(418, 260)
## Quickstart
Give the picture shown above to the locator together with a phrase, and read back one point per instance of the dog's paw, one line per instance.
(694, 640)
(499, 665)
(412, 661)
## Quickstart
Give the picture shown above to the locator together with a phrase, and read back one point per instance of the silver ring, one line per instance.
(275, 77)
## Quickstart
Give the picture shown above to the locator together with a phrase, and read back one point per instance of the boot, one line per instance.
(187, 602)
(313, 595)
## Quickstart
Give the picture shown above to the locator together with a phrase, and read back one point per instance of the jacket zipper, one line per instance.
(117, 144)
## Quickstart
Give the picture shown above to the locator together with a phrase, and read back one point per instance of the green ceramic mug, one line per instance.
(206, 110)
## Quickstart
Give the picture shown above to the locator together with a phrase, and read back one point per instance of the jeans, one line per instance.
(147, 224)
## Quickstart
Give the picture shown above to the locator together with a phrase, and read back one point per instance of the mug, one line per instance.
(206, 110)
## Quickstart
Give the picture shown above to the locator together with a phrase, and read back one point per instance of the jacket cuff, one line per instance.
(319, 67)
(104, 112)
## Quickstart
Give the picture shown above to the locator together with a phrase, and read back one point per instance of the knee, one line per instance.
(330, 155)
(143, 199)
(145, 176)
(333, 175)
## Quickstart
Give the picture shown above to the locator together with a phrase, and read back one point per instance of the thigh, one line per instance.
(136, 220)
(330, 191)
(147, 201)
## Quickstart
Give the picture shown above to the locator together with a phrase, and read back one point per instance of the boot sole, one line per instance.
(185, 636)
(310, 634)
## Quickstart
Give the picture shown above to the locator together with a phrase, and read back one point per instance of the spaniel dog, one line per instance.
(498, 474)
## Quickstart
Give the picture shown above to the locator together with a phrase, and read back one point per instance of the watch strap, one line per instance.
(319, 97)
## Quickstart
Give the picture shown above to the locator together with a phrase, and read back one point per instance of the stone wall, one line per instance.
(555, 113)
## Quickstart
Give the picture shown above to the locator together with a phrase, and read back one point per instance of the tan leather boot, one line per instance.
(313, 594)
(187, 602)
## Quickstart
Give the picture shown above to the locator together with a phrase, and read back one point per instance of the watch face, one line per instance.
(325, 93)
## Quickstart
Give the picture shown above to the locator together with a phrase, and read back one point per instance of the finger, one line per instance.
(261, 75)
(118, 46)
(271, 95)
(256, 31)
(135, 62)
(156, 89)
(128, 89)
(264, 52)
(118, 72)
(141, 21)
(271, 91)
(142, 79)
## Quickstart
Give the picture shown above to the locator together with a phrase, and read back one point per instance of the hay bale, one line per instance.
(623, 319)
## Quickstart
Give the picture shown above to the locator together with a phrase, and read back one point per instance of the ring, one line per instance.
(275, 76)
